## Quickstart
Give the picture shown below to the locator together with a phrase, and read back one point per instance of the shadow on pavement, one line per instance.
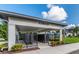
(74, 52)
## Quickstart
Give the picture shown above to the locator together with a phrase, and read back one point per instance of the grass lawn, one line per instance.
(71, 39)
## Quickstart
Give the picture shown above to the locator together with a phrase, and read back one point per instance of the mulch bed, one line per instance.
(13, 52)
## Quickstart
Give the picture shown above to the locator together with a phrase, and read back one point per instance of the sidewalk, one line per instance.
(62, 49)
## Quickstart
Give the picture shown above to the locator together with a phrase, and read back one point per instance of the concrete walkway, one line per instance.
(62, 49)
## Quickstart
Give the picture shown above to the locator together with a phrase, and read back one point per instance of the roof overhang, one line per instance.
(13, 14)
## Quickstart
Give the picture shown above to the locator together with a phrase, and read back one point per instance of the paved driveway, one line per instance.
(62, 49)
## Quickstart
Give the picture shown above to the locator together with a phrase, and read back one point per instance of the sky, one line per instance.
(66, 13)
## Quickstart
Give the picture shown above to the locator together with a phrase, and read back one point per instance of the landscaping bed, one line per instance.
(17, 48)
(23, 50)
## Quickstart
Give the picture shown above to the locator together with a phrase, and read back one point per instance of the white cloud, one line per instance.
(44, 15)
(55, 13)
(50, 5)
(64, 22)
(70, 26)
(77, 24)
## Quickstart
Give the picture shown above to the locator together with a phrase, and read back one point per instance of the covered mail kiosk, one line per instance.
(23, 23)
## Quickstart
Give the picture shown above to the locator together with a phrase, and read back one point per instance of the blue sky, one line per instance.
(36, 9)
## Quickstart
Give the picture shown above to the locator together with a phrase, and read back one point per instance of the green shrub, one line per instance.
(54, 42)
(1, 46)
(17, 47)
(4, 47)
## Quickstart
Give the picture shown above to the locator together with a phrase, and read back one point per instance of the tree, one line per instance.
(75, 30)
(3, 31)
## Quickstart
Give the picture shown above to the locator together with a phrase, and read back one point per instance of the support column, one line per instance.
(37, 39)
(61, 35)
(32, 37)
(11, 36)
(45, 39)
